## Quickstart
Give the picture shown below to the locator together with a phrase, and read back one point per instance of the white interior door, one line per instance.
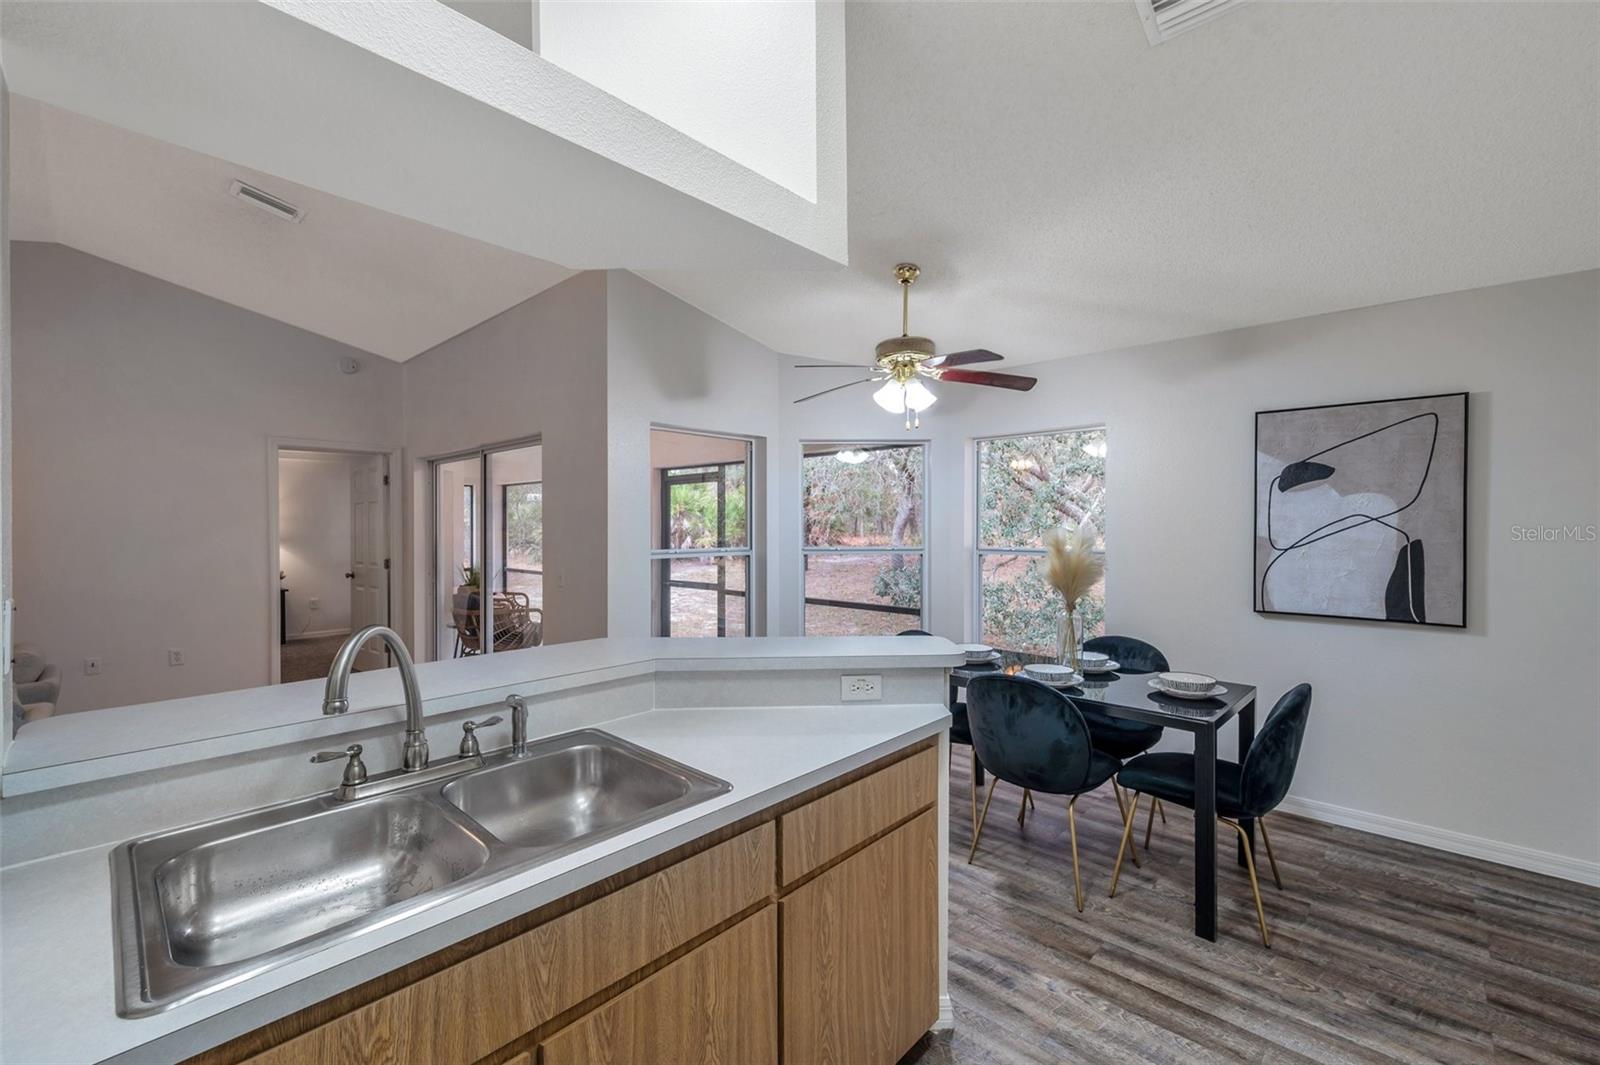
(369, 573)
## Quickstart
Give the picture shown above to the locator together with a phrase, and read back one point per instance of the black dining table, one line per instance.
(1128, 694)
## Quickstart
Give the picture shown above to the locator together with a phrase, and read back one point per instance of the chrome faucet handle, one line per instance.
(355, 770)
(469, 735)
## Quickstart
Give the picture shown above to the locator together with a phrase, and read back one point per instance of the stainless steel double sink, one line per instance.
(204, 907)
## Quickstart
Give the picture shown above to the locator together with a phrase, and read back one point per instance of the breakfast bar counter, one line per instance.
(58, 964)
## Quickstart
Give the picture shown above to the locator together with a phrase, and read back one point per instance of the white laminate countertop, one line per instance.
(57, 960)
(78, 748)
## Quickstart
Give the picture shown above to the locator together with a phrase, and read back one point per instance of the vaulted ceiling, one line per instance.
(371, 279)
(1067, 188)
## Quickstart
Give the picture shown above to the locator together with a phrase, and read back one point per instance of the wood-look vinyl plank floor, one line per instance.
(1382, 951)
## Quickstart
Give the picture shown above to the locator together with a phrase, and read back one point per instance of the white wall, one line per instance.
(538, 369)
(144, 410)
(671, 365)
(314, 540)
(5, 388)
(1417, 725)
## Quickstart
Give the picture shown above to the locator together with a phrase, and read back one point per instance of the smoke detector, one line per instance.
(267, 202)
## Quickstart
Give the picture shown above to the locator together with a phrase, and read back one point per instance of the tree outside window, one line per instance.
(864, 551)
(1026, 486)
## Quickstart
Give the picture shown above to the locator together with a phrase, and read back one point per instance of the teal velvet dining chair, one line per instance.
(1118, 736)
(1030, 735)
(1244, 792)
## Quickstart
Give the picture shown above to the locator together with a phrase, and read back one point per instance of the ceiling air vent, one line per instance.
(267, 202)
(1165, 19)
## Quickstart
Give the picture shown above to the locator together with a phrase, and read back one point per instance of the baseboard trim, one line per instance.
(1490, 850)
(947, 1015)
(318, 634)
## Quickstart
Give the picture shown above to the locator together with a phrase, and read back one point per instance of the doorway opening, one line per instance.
(488, 569)
(333, 557)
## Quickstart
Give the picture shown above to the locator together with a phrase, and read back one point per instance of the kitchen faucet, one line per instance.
(337, 698)
(414, 768)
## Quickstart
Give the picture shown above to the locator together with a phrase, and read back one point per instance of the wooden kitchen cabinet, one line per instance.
(833, 824)
(805, 933)
(861, 952)
(717, 1004)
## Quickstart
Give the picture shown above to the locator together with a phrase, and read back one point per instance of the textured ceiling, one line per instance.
(380, 282)
(1067, 188)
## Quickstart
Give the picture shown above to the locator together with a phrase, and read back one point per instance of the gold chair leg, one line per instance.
(1150, 821)
(1072, 827)
(978, 828)
(1255, 885)
(1024, 806)
(1116, 790)
(1162, 810)
(1261, 823)
(1127, 834)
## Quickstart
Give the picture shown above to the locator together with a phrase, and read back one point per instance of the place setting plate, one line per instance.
(979, 654)
(1054, 676)
(1091, 663)
(1188, 685)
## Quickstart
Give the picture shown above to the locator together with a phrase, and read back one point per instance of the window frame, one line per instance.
(978, 550)
(921, 550)
(661, 580)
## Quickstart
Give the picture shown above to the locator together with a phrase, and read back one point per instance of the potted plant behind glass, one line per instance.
(1072, 568)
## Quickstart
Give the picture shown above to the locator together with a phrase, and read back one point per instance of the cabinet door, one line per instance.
(717, 1004)
(860, 953)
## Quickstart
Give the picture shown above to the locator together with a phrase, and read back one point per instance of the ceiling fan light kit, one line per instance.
(901, 362)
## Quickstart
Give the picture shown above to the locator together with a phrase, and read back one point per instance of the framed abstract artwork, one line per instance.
(1361, 510)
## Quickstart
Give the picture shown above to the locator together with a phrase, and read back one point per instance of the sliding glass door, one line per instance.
(488, 551)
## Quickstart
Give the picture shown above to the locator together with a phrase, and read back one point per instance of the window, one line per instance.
(469, 539)
(863, 550)
(1026, 486)
(522, 540)
(701, 553)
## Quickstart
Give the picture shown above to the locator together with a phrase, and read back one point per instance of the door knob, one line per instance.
(351, 575)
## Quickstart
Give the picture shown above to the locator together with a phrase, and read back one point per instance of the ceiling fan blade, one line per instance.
(984, 377)
(964, 358)
(835, 388)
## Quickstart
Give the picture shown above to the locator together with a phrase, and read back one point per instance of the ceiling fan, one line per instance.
(904, 360)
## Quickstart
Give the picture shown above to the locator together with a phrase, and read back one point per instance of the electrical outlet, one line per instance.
(313, 603)
(862, 688)
(174, 657)
(91, 667)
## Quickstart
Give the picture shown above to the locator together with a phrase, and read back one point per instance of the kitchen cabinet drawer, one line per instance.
(861, 953)
(466, 1011)
(718, 1004)
(821, 830)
